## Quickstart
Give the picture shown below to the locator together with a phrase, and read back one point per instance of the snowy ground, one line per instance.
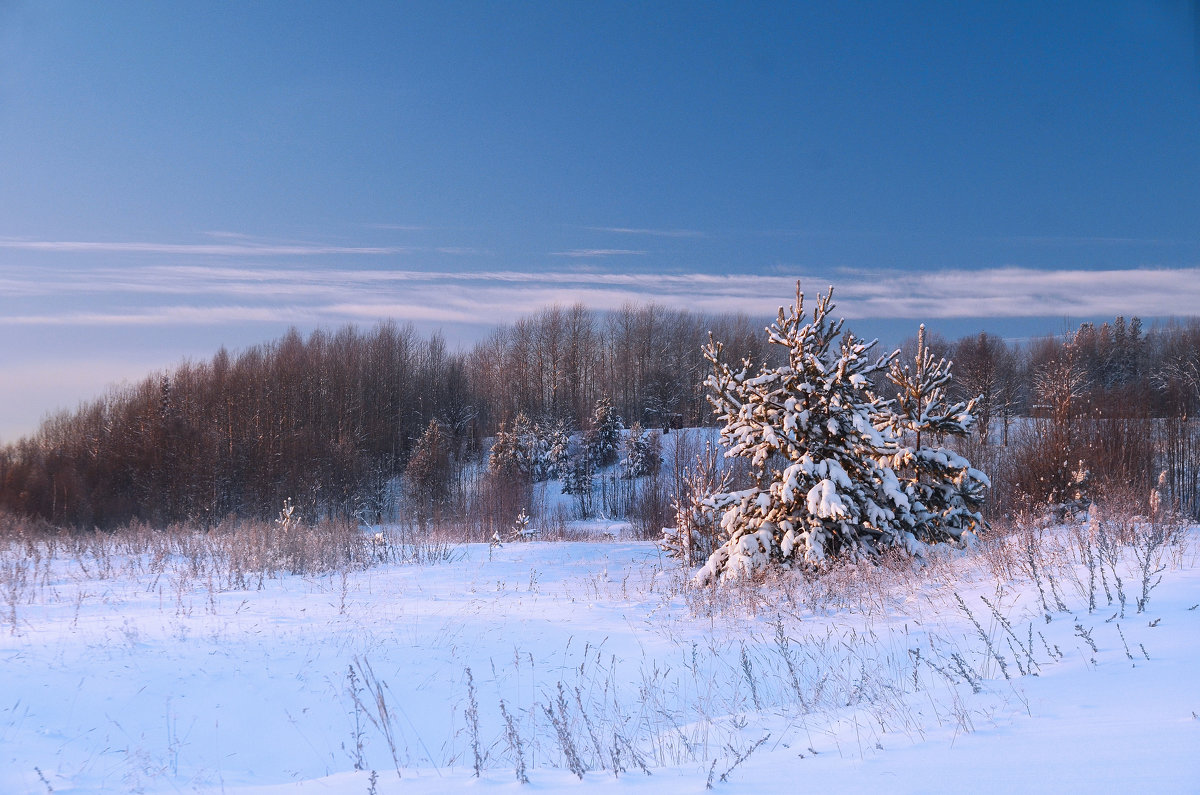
(134, 675)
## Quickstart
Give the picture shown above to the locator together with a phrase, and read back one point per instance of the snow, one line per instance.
(823, 501)
(138, 676)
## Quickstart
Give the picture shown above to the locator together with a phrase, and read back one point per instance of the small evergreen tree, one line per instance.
(535, 450)
(530, 448)
(643, 454)
(520, 530)
(945, 492)
(807, 429)
(428, 472)
(580, 479)
(558, 447)
(505, 457)
(605, 436)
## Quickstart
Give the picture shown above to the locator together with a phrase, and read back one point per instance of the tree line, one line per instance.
(1104, 410)
(331, 420)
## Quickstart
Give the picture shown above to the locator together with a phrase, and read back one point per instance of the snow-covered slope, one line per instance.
(149, 679)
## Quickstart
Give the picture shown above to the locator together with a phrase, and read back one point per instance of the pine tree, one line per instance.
(429, 473)
(945, 492)
(605, 437)
(535, 450)
(806, 428)
(558, 445)
(506, 457)
(642, 453)
(520, 530)
(579, 479)
(530, 452)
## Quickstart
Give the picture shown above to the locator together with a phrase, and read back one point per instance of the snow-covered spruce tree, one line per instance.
(605, 438)
(807, 428)
(520, 530)
(506, 457)
(642, 453)
(534, 449)
(945, 492)
(579, 479)
(429, 473)
(558, 445)
(531, 447)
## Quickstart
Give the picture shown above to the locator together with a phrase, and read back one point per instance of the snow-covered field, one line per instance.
(119, 672)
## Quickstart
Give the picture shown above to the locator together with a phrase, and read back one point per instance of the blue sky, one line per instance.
(178, 176)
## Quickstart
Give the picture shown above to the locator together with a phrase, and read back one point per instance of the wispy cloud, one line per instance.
(202, 295)
(165, 316)
(1070, 240)
(458, 250)
(209, 249)
(597, 252)
(224, 234)
(626, 230)
(1024, 292)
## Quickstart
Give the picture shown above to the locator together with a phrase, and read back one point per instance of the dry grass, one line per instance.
(233, 555)
(694, 704)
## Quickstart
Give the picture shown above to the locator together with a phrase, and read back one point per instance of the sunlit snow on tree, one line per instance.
(821, 445)
(945, 492)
